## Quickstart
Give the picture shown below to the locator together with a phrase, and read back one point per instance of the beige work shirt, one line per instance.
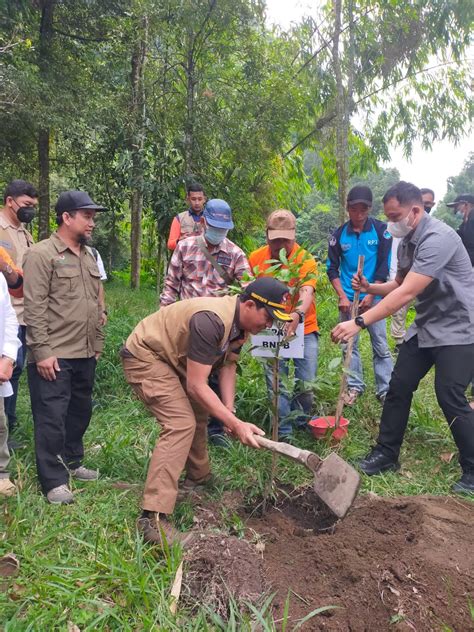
(61, 292)
(17, 241)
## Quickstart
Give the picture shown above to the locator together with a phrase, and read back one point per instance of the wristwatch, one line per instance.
(359, 321)
(300, 314)
(10, 359)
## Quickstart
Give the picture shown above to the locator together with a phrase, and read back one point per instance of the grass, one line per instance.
(85, 565)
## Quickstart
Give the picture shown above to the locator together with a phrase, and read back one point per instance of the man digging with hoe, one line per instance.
(167, 360)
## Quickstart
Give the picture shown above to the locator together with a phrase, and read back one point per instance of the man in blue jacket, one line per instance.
(361, 235)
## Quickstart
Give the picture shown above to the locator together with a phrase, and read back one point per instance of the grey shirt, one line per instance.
(445, 308)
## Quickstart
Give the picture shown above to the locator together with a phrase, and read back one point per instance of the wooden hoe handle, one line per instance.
(305, 457)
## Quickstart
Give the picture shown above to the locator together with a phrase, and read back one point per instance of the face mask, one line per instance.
(401, 228)
(26, 214)
(459, 214)
(215, 235)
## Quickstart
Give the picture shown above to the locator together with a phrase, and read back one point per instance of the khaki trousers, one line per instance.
(4, 454)
(182, 444)
(398, 327)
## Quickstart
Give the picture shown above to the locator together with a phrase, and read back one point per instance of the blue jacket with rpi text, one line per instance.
(345, 246)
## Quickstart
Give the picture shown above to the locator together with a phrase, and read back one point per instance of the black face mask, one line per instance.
(26, 214)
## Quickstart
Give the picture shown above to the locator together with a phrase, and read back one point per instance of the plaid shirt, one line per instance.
(191, 275)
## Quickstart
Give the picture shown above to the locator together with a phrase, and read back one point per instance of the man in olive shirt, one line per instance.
(167, 361)
(64, 339)
(19, 207)
(434, 268)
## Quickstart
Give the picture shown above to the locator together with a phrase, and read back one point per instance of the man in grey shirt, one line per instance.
(434, 267)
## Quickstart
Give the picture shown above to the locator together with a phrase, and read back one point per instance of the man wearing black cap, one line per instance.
(463, 207)
(64, 339)
(167, 360)
(362, 235)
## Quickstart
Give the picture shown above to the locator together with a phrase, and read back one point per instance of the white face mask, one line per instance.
(401, 228)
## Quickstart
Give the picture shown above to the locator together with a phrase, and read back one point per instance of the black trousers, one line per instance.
(453, 370)
(10, 402)
(62, 411)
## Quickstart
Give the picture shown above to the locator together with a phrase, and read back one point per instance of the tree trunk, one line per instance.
(137, 146)
(342, 166)
(44, 133)
(43, 164)
(189, 124)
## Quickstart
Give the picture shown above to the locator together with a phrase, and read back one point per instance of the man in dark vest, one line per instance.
(188, 222)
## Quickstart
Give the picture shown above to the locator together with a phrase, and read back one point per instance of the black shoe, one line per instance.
(465, 485)
(218, 440)
(377, 462)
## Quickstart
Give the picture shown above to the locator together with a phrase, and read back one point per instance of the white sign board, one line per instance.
(265, 344)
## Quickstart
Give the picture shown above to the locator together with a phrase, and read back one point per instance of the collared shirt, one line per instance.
(9, 341)
(445, 308)
(345, 246)
(62, 308)
(16, 240)
(206, 331)
(191, 275)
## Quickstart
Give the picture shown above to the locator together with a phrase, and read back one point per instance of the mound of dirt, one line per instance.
(219, 567)
(392, 564)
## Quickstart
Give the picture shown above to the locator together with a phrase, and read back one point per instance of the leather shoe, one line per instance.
(377, 462)
(465, 485)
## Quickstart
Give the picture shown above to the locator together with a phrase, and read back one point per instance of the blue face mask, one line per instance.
(215, 235)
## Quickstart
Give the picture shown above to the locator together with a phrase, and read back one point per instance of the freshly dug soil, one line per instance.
(405, 563)
(219, 567)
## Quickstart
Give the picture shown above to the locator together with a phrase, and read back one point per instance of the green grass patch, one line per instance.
(85, 564)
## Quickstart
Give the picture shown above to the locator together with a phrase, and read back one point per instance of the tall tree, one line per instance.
(137, 145)
(44, 132)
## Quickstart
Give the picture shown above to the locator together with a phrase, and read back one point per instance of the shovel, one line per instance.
(336, 482)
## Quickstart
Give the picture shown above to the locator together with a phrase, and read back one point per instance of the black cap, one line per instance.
(269, 292)
(464, 197)
(359, 194)
(74, 201)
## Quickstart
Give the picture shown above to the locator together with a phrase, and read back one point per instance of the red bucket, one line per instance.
(320, 427)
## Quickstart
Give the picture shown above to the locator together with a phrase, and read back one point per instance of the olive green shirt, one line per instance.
(17, 241)
(61, 296)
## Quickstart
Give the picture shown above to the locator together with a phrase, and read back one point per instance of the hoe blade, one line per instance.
(336, 483)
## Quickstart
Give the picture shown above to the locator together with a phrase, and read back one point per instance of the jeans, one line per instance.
(214, 426)
(62, 411)
(10, 402)
(302, 398)
(382, 358)
(452, 375)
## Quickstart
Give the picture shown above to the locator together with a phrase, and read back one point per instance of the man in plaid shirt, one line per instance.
(192, 273)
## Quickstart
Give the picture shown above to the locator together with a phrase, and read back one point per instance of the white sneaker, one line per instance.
(84, 474)
(7, 488)
(61, 495)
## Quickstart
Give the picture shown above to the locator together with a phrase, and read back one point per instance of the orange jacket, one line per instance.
(262, 255)
(5, 257)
